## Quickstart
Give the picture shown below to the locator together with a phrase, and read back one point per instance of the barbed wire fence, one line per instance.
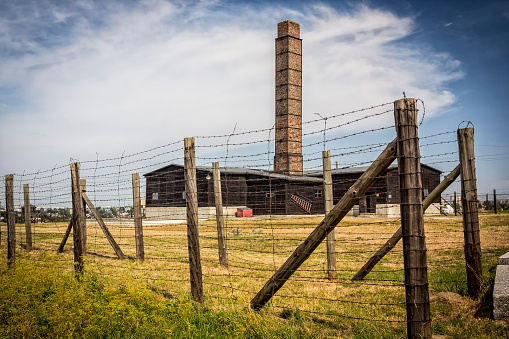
(255, 247)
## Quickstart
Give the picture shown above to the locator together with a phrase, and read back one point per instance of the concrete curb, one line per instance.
(504, 260)
(501, 289)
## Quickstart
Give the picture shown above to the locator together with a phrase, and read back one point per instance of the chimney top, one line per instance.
(288, 28)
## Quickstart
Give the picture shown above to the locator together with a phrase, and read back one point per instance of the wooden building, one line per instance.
(264, 192)
(274, 193)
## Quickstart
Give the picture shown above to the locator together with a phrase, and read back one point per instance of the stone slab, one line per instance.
(504, 260)
(501, 293)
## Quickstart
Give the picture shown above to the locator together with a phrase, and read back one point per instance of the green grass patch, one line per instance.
(130, 299)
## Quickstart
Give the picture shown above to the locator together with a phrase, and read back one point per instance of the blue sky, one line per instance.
(82, 77)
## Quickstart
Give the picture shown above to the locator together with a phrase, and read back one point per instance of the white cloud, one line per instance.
(131, 77)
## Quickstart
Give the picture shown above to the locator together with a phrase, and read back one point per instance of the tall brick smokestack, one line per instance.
(288, 156)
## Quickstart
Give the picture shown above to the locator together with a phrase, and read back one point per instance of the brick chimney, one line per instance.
(288, 156)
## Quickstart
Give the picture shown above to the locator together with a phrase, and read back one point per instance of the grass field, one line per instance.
(127, 298)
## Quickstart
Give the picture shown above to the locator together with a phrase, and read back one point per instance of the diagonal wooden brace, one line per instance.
(105, 230)
(66, 236)
(389, 245)
(302, 253)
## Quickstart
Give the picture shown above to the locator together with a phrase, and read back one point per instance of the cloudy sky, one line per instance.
(81, 78)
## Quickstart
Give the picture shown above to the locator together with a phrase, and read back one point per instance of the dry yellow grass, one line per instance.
(253, 257)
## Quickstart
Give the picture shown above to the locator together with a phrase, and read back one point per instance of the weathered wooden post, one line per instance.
(470, 212)
(193, 241)
(218, 198)
(328, 196)
(455, 203)
(11, 225)
(77, 218)
(412, 222)
(83, 189)
(28, 217)
(495, 200)
(138, 227)
(486, 202)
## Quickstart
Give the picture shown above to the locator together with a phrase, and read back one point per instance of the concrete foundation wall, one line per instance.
(393, 210)
(179, 213)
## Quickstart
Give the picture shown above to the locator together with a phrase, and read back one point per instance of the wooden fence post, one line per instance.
(83, 189)
(455, 203)
(11, 225)
(328, 195)
(389, 245)
(28, 217)
(304, 250)
(138, 226)
(470, 212)
(77, 218)
(412, 222)
(495, 200)
(193, 241)
(218, 198)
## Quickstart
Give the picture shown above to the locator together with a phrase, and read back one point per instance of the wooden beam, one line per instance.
(470, 212)
(218, 199)
(138, 226)
(193, 240)
(105, 230)
(302, 253)
(389, 245)
(328, 196)
(66, 236)
(412, 221)
(495, 200)
(11, 224)
(77, 218)
(28, 217)
(83, 189)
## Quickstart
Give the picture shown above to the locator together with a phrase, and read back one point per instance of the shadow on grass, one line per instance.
(485, 307)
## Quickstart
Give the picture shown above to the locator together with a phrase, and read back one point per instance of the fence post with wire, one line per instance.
(470, 212)
(412, 221)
